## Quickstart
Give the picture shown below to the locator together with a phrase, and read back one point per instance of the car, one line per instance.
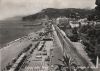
(47, 58)
(39, 56)
(44, 50)
(44, 53)
(48, 39)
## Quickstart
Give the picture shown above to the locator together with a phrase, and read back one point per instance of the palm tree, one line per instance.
(67, 64)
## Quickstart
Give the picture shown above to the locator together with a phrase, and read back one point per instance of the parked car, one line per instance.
(47, 58)
(44, 53)
(39, 56)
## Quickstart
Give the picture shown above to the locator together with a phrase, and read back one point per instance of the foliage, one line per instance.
(54, 13)
(69, 65)
(90, 39)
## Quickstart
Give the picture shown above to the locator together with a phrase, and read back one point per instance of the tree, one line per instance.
(67, 64)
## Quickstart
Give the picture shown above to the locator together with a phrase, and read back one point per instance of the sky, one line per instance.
(10, 8)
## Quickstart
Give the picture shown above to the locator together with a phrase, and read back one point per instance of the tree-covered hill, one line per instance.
(54, 13)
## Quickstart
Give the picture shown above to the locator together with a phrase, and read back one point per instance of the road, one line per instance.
(70, 50)
(57, 50)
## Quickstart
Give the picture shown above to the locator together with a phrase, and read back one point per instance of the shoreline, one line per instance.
(16, 40)
(23, 26)
(13, 48)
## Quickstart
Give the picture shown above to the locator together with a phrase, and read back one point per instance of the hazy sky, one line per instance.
(9, 8)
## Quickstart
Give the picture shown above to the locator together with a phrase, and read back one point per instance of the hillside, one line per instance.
(54, 13)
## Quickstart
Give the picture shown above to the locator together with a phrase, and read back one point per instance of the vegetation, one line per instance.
(54, 13)
(69, 65)
(96, 14)
(89, 35)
